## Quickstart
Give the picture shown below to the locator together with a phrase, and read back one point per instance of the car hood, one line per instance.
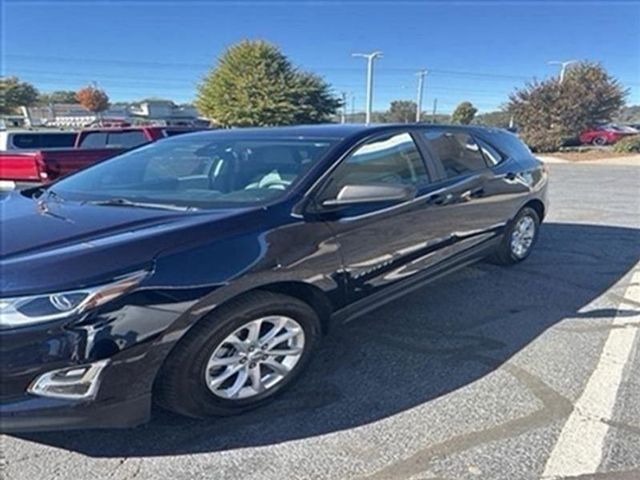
(48, 245)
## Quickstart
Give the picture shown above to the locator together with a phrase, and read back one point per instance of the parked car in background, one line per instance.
(605, 135)
(21, 140)
(90, 146)
(200, 272)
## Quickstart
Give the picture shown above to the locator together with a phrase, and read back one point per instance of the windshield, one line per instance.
(199, 171)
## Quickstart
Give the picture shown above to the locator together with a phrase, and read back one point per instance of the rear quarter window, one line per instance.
(510, 144)
(491, 154)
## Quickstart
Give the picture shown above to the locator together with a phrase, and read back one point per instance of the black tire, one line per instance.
(504, 254)
(599, 141)
(180, 386)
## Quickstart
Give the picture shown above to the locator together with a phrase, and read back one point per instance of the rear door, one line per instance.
(386, 244)
(514, 172)
(466, 195)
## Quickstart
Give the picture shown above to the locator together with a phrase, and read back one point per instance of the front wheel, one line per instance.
(240, 357)
(519, 238)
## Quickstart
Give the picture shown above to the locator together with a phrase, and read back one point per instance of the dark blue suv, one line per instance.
(200, 272)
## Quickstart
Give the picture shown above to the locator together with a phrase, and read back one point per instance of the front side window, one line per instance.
(458, 152)
(392, 159)
(216, 170)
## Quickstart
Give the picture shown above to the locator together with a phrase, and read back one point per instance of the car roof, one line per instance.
(334, 130)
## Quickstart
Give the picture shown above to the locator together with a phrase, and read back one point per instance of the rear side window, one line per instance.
(94, 140)
(43, 140)
(458, 152)
(128, 139)
(392, 159)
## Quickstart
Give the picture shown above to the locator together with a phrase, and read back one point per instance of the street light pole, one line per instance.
(371, 57)
(421, 74)
(343, 116)
(563, 66)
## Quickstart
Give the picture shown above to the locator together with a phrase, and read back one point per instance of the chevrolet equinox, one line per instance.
(200, 272)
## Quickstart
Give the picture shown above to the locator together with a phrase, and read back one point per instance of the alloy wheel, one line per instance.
(255, 357)
(522, 236)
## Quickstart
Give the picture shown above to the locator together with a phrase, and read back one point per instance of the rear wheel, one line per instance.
(239, 358)
(519, 238)
(600, 141)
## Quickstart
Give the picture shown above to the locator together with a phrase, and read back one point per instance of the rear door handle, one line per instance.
(439, 198)
(473, 193)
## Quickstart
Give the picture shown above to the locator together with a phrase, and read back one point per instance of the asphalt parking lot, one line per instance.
(526, 372)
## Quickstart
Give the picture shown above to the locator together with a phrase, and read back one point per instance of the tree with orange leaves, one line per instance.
(93, 99)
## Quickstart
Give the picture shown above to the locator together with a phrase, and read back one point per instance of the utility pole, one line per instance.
(421, 74)
(435, 107)
(563, 66)
(371, 57)
(353, 107)
(343, 114)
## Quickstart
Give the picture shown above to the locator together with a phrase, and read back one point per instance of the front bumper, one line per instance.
(35, 414)
(129, 335)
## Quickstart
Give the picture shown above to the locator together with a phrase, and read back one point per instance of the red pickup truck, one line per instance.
(91, 146)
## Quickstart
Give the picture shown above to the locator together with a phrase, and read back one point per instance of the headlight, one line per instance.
(20, 311)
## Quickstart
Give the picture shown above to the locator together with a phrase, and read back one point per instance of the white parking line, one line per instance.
(579, 448)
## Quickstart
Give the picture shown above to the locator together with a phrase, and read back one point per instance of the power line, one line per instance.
(385, 70)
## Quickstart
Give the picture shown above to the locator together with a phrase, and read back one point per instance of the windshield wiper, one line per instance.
(123, 202)
(45, 193)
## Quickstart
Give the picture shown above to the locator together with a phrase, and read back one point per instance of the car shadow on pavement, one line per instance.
(436, 340)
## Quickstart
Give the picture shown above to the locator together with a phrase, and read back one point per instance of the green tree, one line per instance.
(255, 84)
(15, 93)
(59, 96)
(401, 111)
(464, 113)
(498, 118)
(550, 113)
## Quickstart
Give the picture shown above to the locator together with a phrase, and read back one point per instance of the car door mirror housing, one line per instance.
(370, 193)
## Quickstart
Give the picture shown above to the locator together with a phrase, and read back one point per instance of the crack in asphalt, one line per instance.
(555, 406)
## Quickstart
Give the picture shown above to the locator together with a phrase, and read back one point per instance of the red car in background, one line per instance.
(605, 135)
(92, 145)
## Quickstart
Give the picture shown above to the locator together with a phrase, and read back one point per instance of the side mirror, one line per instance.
(370, 193)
